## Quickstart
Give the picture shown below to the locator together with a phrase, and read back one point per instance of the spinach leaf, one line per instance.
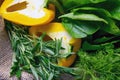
(115, 12)
(80, 29)
(83, 16)
(73, 29)
(111, 27)
(92, 10)
(90, 47)
(73, 3)
(113, 6)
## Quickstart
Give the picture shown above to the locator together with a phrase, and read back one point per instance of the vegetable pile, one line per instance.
(46, 38)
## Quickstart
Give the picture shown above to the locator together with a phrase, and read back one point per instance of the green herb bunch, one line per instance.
(34, 55)
(102, 64)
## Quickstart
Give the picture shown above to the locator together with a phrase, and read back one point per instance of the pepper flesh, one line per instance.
(27, 12)
(56, 31)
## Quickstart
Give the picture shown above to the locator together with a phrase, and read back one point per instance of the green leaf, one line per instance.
(26, 67)
(48, 51)
(93, 10)
(73, 3)
(58, 46)
(73, 29)
(111, 28)
(18, 73)
(34, 72)
(113, 6)
(83, 16)
(87, 46)
(80, 29)
(116, 12)
(102, 39)
(51, 76)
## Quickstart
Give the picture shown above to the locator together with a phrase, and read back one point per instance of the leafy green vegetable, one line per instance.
(83, 16)
(74, 3)
(93, 9)
(80, 29)
(93, 43)
(111, 27)
(99, 65)
(113, 7)
(100, 14)
(34, 55)
(89, 47)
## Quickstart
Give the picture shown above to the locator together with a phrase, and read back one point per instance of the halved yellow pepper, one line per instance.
(27, 12)
(57, 31)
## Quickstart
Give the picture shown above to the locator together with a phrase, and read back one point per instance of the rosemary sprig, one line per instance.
(34, 55)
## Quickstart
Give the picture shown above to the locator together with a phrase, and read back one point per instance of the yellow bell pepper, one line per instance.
(57, 31)
(27, 12)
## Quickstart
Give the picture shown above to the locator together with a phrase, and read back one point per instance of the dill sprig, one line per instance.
(34, 55)
(102, 64)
